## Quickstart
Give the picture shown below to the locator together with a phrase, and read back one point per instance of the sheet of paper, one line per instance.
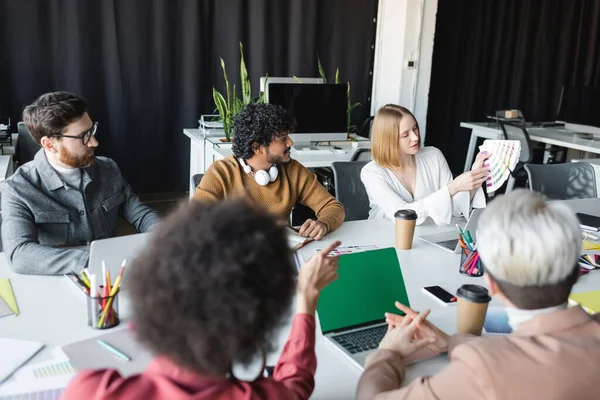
(5, 309)
(44, 380)
(504, 156)
(7, 294)
(14, 353)
(351, 249)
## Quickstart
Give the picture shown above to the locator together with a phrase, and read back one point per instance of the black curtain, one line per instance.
(147, 67)
(506, 54)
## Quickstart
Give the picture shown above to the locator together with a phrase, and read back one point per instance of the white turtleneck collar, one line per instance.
(71, 176)
(517, 316)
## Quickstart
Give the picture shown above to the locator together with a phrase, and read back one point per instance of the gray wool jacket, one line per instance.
(42, 216)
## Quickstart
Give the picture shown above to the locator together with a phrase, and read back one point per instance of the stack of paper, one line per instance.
(504, 156)
(45, 380)
(14, 353)
(8, 303)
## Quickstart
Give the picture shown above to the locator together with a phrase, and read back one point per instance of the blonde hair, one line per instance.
(385, 137)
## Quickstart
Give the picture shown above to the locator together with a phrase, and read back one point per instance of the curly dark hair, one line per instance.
(50, 113)
(213, 285)
(257, 125)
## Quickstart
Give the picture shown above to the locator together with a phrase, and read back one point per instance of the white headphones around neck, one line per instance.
(261, 177)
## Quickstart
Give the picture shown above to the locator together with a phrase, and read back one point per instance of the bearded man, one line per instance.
(66, 197)
(262, 171)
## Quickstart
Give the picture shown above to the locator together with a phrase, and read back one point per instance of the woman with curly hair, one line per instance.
(261, 171)
(210, 291)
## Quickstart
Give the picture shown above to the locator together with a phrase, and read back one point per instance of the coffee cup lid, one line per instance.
(406, 214)
(474, 293)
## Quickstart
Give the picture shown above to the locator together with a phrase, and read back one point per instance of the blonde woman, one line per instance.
(404, 175)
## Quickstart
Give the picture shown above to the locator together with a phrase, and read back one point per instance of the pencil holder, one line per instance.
(470, 264)
(103, 311)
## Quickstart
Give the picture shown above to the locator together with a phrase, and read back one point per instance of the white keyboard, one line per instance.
(303, 150)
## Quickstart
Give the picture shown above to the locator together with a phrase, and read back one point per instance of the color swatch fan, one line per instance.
(503, 160)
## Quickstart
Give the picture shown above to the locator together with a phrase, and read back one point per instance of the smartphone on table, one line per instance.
(440, 294)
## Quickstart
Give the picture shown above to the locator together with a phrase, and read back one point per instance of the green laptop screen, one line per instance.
(368, 285)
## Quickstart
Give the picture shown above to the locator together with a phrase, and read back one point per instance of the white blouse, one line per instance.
(431, 195)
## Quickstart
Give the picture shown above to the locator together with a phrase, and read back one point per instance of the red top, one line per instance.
(293, 377)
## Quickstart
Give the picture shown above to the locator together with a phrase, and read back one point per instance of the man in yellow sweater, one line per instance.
(262, 171)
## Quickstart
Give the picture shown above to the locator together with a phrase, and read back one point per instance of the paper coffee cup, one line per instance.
(405, 221)
(472, 306)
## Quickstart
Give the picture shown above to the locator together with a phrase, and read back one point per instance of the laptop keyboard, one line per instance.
(364, 340)
(449, 244)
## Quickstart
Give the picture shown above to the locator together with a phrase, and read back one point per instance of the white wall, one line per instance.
(405, 31)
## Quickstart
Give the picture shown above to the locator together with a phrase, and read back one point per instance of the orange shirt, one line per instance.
(295, 184)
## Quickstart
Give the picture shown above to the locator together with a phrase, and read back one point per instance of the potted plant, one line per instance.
(230, 105)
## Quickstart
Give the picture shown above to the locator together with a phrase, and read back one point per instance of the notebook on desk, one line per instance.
(351, 309)
(90, 354)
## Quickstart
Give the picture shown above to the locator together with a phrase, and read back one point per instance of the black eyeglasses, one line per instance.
(85, 136)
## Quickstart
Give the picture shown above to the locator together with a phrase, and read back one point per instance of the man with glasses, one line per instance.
(66, 197)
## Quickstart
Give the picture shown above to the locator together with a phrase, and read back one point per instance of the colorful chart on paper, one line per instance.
(503, 160)
(351, 249)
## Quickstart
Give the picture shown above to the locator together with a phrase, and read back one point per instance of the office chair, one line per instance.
(576, 180)
(516, 131)
(194, 182)
(26, 146)
(365, 130)
(361, 155)
(349, 189)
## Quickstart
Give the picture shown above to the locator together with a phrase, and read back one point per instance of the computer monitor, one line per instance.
(319, 109)
(579, 109)
(266, 81)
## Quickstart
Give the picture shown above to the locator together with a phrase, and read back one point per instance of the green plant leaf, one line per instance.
(321, 70)
(353, 107)
(223, 111)
(337, 75)
(244, 81)
(297, 79)
(226, 84)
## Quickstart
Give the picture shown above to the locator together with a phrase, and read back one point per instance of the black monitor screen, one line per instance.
(580, 105)
(318, 107)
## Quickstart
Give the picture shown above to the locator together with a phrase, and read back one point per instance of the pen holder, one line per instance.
(103, 311)
(470, 264)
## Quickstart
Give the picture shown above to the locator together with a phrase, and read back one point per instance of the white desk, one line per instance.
(53, 312)
(204, 150)
(553, 136)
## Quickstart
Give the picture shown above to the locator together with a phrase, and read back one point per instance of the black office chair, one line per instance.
(365, 130)
(26, 146)
(361, 155)
(195, 181)
(517, 131)
(349, 189)
(576, 180)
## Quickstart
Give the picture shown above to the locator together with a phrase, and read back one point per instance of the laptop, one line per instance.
(113, 251)
(449, 240)
(351, 309)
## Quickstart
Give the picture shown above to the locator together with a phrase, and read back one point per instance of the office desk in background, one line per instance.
(557, 136)
(53, 312)
(204, 150)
